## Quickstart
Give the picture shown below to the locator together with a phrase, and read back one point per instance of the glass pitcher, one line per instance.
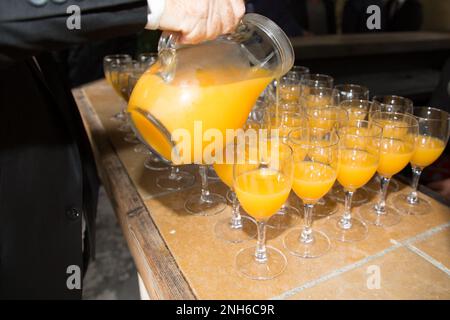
(209, 86)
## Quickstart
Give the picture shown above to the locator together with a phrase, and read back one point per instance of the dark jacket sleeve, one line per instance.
(26, 29)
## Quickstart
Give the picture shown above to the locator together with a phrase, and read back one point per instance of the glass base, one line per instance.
(125, 127)
(422, 207)
(151, 164)
(285, 218)
(374, 185)
(181, 180)
(119, 117)
(318, 247)
(359, 197)
(247, 265)
(215, 204)
(225, 232)
(357, 232)
(140, 148)
(131, 138)
(369, 215)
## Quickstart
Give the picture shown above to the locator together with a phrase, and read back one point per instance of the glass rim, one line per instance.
(408, 115)
(296, 68)
(309, 144)
(117, 55)
(433, 109)
(374, 99)
(351, 85)
(380, 129)
(355, 100)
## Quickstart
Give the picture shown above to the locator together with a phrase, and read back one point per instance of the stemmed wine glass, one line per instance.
(262, 183)
(316, 161)
(176, 179)
(205, 203)
(285, 119)
(108, 62)
(434, 132)
(326, 117)
(359, 154)
(397, 147)
(357, 110)
(240, 227)
(389, 103)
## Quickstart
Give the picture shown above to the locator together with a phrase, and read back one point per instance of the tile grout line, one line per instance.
(426, 234)
(338, 272)
(429, 258)
(335, 273)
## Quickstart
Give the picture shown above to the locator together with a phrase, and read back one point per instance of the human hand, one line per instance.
(201, 20)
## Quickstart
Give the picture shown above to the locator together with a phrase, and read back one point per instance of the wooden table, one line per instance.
(178, 256)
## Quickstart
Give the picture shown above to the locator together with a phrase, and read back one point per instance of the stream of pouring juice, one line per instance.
(218, 100)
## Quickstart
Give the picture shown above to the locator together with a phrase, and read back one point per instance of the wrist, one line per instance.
(155, 11)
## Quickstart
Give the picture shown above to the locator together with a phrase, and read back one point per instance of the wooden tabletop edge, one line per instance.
(161, 275)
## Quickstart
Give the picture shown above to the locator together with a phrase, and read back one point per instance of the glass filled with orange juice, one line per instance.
(397, 148)
(262, 180)
(357, 109)
(316, 162)
(388, 103)
(432, 140)
(359, 155)
(285, 119)
(240, 227)
(108, 62)
(326, 117)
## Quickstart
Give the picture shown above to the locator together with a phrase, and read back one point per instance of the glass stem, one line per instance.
(204, 177)
(174, 173)
(413, 197)
(306, 235)
(261, 252)
(346, 220)
(236, 219)
(380, 207)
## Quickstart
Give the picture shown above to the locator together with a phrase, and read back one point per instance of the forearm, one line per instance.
(28, 32)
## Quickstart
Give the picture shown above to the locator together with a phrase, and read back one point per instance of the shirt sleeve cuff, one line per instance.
(155, 11)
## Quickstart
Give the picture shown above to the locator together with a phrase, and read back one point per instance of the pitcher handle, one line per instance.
(167, 45)
(168, 40)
